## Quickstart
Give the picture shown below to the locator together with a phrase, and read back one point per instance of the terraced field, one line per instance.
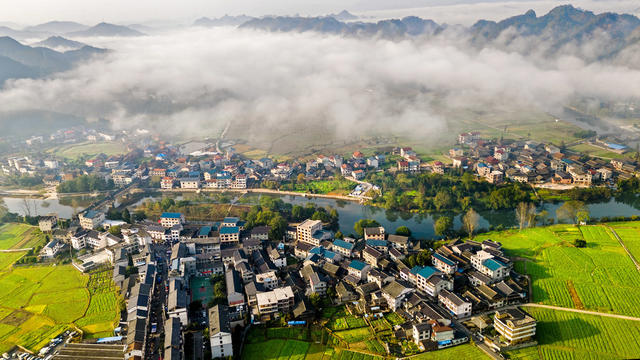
(39, 302)
(600, 277)
(566, 336)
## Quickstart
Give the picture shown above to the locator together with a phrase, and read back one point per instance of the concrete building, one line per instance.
(91, 219)
(220, 332)
(168, 219)
(306, 230)
(515, 325)
(456, 306)
(277, 300)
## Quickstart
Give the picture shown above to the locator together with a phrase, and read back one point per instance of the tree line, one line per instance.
(86, 183)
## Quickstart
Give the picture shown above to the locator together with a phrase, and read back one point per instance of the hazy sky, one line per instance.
(185, 11)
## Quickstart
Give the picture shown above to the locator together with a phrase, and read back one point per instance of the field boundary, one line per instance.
(588, 312)
(635, 262)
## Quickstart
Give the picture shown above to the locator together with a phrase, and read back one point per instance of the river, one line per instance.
(420, 224)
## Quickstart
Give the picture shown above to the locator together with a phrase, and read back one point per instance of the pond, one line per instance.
(420, 224)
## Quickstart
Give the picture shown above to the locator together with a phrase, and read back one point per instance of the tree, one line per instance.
(126, 216)
(423, 258)
(404, 231)
(339, 235)
(115, 230)
(443, 225)
(442, 200)
(573, 211)
(525, 213)
(4, 210)
(579, 243)
(361, 224)
(470, 222)
(315, 299)
(300, 179)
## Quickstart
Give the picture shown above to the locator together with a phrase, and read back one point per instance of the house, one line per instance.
(358, 174)
(229, 234)
(380, 245)
(443, 264)
(395, 294)
(429, 280)
(177, 303)
(169, 219)
(166, 183)
(398, 242)
(375, 233)
(485, 263)
(91, 219)
(317, 285)
(306, 230)
(421, 332)
(358, 269)
(51, 249)
(456, 306)
(172, 339)
(47, 223)
(220, 332)
(495, 177)
(260, 233)
(515, 325)
(371, 256)
(342, 247)
(277, 300)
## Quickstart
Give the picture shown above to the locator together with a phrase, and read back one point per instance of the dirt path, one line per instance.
(588, 312)
(635, 262)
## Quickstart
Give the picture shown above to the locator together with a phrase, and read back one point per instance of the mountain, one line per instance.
(57, 27)
(223, 21)
(11, 69)
(106, 29)
(563, 30)
(344, 15)
(58, 42)
(408, 26)
(22, 61)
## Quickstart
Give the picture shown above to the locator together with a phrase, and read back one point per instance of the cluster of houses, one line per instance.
(523, 161)
(263, 282)
(355, 166)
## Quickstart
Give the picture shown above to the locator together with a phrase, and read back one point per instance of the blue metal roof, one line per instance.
(230, 220)
(229, 230)
(443, 259)
(375, 242)
(616, 146)
(414, 270)
(493, 264)
(343, 244)
(204, 231)
(357, 264)
(427, 271)
(171, 215)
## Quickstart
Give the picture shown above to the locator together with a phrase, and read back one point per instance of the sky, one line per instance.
(31, 12)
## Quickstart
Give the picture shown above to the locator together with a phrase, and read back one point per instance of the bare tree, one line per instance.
(470, 221)
(526, 214)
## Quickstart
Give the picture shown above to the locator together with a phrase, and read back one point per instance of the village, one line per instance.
(168, 270)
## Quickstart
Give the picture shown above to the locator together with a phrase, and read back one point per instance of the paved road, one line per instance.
(635, 262)
(623, 317)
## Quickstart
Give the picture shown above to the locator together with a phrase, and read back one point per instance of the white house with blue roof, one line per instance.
(169, 219)
(488, 265)
(431, 281)
(358, 269)
(342, 247)
(229, 234)
(443, 263)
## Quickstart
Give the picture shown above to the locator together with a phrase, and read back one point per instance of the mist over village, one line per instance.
(416, 179)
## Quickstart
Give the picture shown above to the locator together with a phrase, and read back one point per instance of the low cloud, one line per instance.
(194, 82)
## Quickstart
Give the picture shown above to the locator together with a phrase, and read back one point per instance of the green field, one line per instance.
(600, 277)
(39, 302)
(19, 236)
(596, 151)
(75, 151)
(629, 232)
(565, 335)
